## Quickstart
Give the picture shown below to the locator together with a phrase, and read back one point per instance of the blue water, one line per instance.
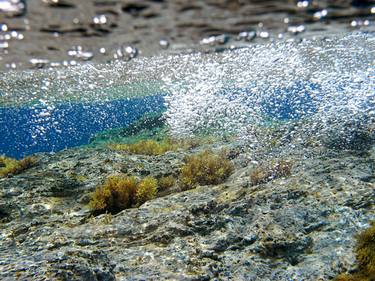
(329, 82)
(73, 124)
(297, 100)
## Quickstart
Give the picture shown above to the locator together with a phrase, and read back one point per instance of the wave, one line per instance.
(326, 83)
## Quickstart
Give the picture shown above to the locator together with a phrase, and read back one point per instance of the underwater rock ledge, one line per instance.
(297, 226)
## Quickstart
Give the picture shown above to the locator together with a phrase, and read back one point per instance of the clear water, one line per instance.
(27, 130)
(329, 83)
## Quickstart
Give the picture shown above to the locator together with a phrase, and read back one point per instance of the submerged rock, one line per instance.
(151, 125)
(296, 227)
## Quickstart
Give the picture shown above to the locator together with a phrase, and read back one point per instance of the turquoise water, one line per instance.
(329, 82)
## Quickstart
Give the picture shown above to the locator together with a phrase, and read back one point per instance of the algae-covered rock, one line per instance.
(299, 225)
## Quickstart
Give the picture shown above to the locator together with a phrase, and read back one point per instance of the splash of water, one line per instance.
(327, 83)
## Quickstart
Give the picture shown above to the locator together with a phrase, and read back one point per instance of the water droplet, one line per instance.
(215, 40)
(208, 40)
(55, 64)
(264, 34)
(320, 14)
(247, 35)
(100, 20)
(296, 29)
(13, 7)
(11, 65)
(3, 27)
(127, 53)
(303, 4)
(359, 23)
(39, 63)
(79, 53)
(4, 45)
(164, 43)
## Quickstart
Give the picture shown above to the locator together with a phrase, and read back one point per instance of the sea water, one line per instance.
(328, 81)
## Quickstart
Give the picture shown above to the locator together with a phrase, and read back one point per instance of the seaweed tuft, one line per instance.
(10, 166)
(166, 182)
(145, 147)
(122, 192)
(147, 189)
(205, 168)
(116, 194)
(365, 255)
